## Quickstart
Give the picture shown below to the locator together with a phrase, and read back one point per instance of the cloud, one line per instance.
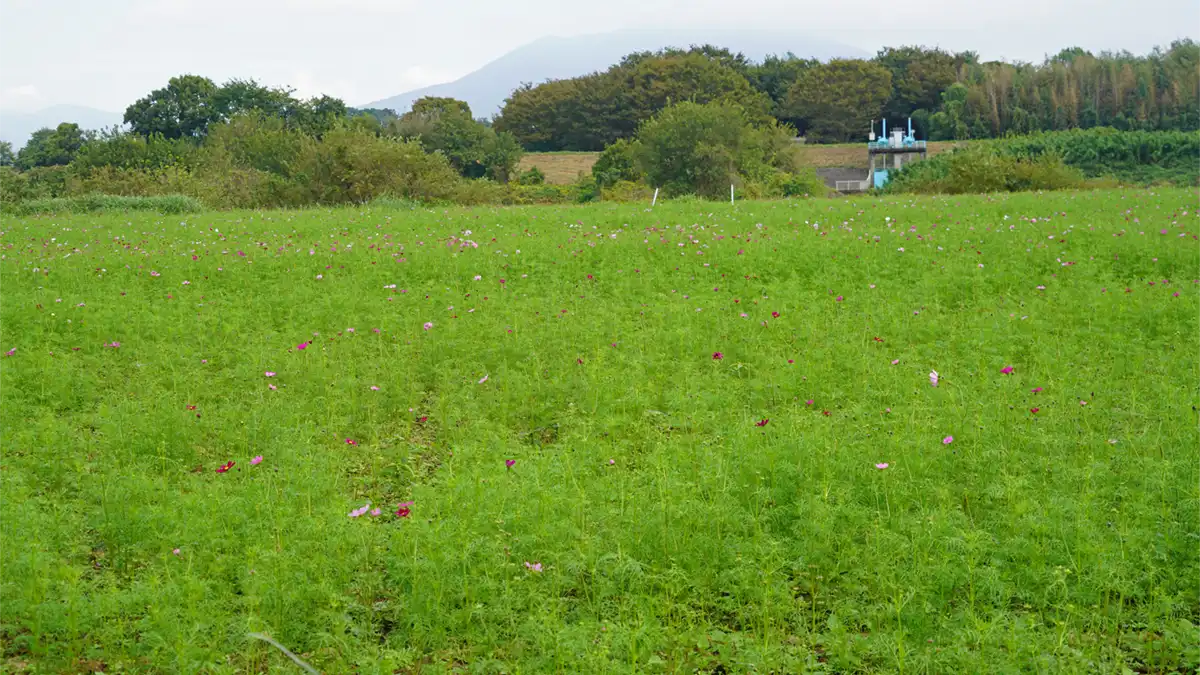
(21, 97)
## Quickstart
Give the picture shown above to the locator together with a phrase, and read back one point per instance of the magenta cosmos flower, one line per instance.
(717, 356)
(762, 423)
(1007, 370)
(947, 440)
(508, 463)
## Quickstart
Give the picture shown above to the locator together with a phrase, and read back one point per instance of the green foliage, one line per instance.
(670, 533)
(983, 168)
(919, 76)
(7, 156)
(164, 204)
(593, 111)
(1074, 89)
(693, 148)
(51, 147)
(775, 76)
(838, 100)
(190, 104)
(533, 176)
(618, 162)
(182, 109)
(123, 150)
(1057, 160)
(445, 126)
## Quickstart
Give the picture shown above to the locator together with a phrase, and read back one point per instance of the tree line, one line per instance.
(949, 96)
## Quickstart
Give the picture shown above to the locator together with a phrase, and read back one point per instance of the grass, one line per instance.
(165, 204)
(672, 532)
(562, 168)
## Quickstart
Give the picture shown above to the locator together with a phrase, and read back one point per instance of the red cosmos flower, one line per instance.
(421, 420)
(403, 510)
(225, 467)
(1034, 410)
(825, 413)
(191, 407)
(762, 423)
(877, 339)
(774, 315)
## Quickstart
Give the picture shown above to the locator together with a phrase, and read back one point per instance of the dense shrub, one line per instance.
(618, 162)
(983, 168)
(702, 149)
(1132, 156)
(166, 204)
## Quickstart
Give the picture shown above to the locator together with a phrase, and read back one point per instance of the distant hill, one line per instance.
(553, 58)
(16, 128)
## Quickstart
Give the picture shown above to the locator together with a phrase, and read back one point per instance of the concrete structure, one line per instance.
(884, 155)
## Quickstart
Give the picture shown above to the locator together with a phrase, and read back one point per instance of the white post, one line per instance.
(655, 199)
(731, 193)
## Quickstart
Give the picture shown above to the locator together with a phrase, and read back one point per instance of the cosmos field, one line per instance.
(859, 435)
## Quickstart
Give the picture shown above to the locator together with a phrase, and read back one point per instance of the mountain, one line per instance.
(16, 128)
(553, 58)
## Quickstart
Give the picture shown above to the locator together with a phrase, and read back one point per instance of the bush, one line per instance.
(617, 163)
(165, 204)
(702, 149)
(628, 191)
(983, 168)
(533, 176)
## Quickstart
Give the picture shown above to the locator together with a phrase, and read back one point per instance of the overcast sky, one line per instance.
(107, 53)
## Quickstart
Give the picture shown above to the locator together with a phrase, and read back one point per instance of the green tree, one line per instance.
(694, 148)
(618, 162)
(7, 156)
(445, 126)
(919, 76)
(775, 76)
(51, 147)
(182, 109)
(838, 100)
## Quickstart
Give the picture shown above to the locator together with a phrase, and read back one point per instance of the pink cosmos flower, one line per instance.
(428, 325)
(881, 466)
(839, 298)
(483, 379)
(1036, 389)
(1083, 403)
(114, 344)
(269, 373)
(272, 387)
(947, 440)
(11, 352)
(256, 461)
(154, 274)
(175, 551)
(895, 361)
(477, 277)
(1007, 370)
(374, 388)
(933, 378)
(533, 567)
(717, 356)
(303, 345)
(376, 511)
(808, 402)
(360, 510)
(187, 283)
(351, 441)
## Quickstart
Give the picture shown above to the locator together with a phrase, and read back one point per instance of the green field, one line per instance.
(696, 438)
